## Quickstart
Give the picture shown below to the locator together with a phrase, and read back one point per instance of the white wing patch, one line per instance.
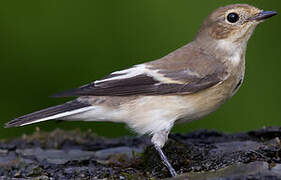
(141, 69)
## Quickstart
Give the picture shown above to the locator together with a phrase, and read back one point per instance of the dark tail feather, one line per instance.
(68, 93)
(63, 110)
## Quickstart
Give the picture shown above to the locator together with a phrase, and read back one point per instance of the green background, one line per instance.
(47, 46)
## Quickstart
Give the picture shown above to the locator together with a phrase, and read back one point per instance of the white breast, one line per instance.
(234, 51)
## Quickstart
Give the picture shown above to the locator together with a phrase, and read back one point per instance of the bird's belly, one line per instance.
(206, 102)
(149, 114)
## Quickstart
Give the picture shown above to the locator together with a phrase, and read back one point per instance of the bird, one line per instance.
(187, 84)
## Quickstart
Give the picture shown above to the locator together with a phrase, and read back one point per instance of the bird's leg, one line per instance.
(159, 139)
(165, 160)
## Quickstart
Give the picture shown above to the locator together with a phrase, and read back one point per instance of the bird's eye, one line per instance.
(232, 17)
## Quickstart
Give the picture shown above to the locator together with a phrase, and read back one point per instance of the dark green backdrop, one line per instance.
(47, 46)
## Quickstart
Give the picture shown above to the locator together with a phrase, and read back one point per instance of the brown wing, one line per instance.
(169, 75)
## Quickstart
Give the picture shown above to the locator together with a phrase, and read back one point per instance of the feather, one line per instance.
(55, 112)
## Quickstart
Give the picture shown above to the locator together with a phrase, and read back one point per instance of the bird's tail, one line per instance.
(55, 112)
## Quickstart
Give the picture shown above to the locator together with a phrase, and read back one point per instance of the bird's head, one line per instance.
(233, 23)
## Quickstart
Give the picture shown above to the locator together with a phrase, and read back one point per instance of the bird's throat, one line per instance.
(233, 52)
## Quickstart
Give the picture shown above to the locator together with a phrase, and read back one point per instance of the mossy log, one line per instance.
(197, 155)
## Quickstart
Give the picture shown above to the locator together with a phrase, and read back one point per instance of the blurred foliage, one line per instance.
(51, 46)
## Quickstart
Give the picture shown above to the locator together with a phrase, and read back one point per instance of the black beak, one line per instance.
(263, 15)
